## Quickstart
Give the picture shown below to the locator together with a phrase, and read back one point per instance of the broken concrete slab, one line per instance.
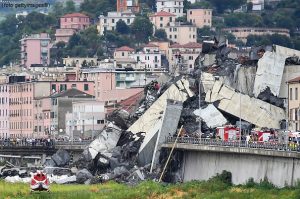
(211, 116)
(61, 157)
(65, 179)
(83, 175)
(169, 126)
(270, 69)
(178, 91)
(106, 141)
(254, 110)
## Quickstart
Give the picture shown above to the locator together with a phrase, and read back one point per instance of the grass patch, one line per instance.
(216, 187)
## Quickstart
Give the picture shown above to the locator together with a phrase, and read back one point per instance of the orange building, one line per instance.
(124, 5)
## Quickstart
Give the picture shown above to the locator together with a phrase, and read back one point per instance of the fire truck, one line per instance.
(228, 133)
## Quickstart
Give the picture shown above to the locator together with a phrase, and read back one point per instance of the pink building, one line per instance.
(21, 106)
(105, 86)
(35, 49)
(85, 86)
(25, 107)
(4, 111)
(75, 21)
(69, 24)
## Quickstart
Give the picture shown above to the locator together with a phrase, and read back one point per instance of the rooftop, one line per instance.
(188, 45)
(125, 48)
(150, 45)
(163, 14)
(77, 14)
(295, 80)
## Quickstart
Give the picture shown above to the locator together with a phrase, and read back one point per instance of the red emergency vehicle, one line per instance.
(228, 133)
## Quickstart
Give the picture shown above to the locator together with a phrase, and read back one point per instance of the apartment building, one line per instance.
(150, 57)
(241, 33)
(87, 118)
(125, 5)
(188, 54)
(71, 23)
(181, 33)
(106, 89)
(294, 104)
(161, 19)
(35, 50)
(172, 6)
(200, 17)
(109, 22)
(4, 111)
(25, 105)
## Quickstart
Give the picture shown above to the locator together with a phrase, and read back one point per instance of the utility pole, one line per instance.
(240, 138)
(199, 85)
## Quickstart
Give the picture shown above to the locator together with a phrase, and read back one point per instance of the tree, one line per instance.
(222, 5)
(122, 27)
(181, 19)
(9, 26)
(186, 5)
(57, 9)
(96, 7)
(142, 29)
(161, 34)
(249, 6)
(70, 7)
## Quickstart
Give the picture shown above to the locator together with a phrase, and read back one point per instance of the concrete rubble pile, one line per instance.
(129, 149)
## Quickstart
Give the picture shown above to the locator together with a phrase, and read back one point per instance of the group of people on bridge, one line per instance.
(47, 142)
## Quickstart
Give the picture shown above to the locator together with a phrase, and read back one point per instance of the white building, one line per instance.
(109, 22)
(172, 6)
(88, 117)
(258, 5)
(150, 57)
(188, 54)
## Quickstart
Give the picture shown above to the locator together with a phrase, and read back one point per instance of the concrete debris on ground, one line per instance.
(59, 159)
(129, 150)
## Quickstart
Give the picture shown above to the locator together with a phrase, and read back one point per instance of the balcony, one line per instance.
(125, 79)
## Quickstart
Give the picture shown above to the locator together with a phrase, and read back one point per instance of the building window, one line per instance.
(100, 121)
(73, 86)
(161, 18)
(191, 12)
(86, 87)
(160, 25)
(291, 114)
(105, 20)
(171, 19)
(128, 21)
(53, 87)
(296, 93)
(123, 54)
(291, 93)
(296, 114)
(63, 87)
